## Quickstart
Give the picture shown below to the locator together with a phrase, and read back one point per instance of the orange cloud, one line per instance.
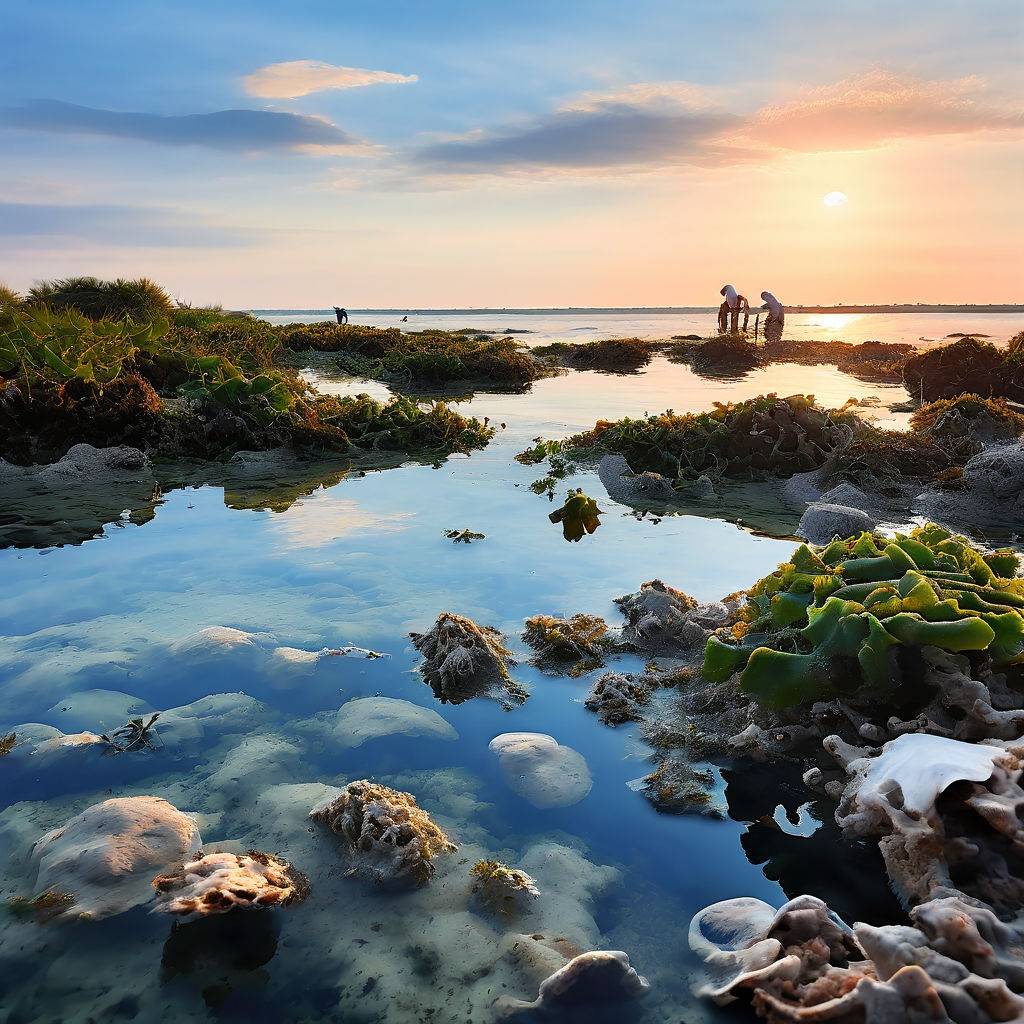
(876, 108)
(293, 78)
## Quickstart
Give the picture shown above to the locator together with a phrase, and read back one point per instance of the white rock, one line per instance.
(822, 521)
(541, 770)
(107, 856)
(369, 718)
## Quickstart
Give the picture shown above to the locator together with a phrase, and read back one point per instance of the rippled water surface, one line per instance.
(91, 635)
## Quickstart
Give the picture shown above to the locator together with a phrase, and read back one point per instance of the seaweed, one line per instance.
(135, 734)
(841, 619)
(581, 641)
(579, 513)
(967, 366)
(7, 743)
(609, 355)
(463, 536)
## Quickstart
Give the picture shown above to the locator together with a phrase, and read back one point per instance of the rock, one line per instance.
(618, 697)
(34, 742)
(503, 888)
(849, 496)
(212, 641)
(390, 837)
(541, 770)
(660, 617)
(579, 642)
(676, 787)
(369, 718)
(106, 857)
(822, 521)
(463, 660)
(85, 464)
(996, 472)
(628, 488)
(586, 984)
(215, 883)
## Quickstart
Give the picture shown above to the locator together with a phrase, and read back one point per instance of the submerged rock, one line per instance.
(369, 718)
(585, 986)
(618, 697)
(85, 464)
(541, 770)
(629, 488)
(106, 857)
(390, 837)
(503, 888)
(463, 660)
(215, 883)
(822, 521)
(676, 787)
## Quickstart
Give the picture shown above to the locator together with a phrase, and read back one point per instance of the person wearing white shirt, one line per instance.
(776, 317)
(729, 311)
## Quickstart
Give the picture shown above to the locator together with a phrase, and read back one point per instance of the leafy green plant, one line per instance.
(263, 397)
(832, 620)
(579, 513)
(38, 345)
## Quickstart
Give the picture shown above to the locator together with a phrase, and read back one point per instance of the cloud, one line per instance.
(36, 225)
(293, 78)
(876, 108)
(640, 126)
(251, 131)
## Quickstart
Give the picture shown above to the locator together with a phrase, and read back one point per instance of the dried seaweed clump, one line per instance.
(967, 366)
(580, 641)
(502, 887)
(971, 417)
(215, 883)
(7, 743)
(463, 660)
(844, 620)
(957, 962)
(390, 837)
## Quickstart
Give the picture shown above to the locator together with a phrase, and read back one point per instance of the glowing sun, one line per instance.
(835, 199)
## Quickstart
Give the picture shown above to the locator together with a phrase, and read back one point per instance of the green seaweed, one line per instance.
(832, 620)
(579, 513)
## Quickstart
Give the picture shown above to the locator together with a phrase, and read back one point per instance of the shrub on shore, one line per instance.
(140, 299)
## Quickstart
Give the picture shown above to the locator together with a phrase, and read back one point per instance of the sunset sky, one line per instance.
(470, 153)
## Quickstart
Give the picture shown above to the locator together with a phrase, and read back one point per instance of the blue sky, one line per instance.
(515, 153)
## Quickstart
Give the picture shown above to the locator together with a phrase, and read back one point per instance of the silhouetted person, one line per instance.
(729, 311)
(405, 319)
(341, 314)
(776, 317)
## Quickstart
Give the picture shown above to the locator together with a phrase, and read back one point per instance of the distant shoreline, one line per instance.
(576, 310)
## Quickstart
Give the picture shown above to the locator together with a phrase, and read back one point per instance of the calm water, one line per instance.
(86, 634)
(912, 328)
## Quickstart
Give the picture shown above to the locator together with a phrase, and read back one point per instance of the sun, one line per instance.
(835, 199)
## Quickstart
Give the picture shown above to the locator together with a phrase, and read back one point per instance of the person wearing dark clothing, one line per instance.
(341, 314)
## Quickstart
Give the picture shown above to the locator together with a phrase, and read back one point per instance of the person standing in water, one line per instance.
(776, 317)
(341, 314)
(729, 311)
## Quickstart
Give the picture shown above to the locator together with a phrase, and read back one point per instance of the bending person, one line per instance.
(729, 311)
(776, 317)
(341, 314)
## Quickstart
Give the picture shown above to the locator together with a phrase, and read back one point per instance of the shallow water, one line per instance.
(363, 561)
(573, 325)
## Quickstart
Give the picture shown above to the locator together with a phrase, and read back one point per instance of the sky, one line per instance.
(522, 153)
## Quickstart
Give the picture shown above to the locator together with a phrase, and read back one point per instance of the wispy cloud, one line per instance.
(43, 224)
(876, 108)
(293, 78)
(636, 127)
(251, 131)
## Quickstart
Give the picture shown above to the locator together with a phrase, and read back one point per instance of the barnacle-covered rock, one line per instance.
(579, 642)
(676, 787)
(463, 660)
(944, 813)
(215, 883)
(504, 888)
(106, 857)
(390, 837)
(659, 617)
(618, 697)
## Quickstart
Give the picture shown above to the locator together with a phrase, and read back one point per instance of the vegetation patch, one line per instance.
(967, 366)
(423, 361)
(610, 355)
(848, 619)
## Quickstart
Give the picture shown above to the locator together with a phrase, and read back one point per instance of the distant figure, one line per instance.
(341, 314)
(405, 319)
(776, 317)
(729, 311)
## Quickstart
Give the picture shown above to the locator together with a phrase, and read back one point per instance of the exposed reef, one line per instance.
(462, 660)
(576, 644)
(390, 838)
